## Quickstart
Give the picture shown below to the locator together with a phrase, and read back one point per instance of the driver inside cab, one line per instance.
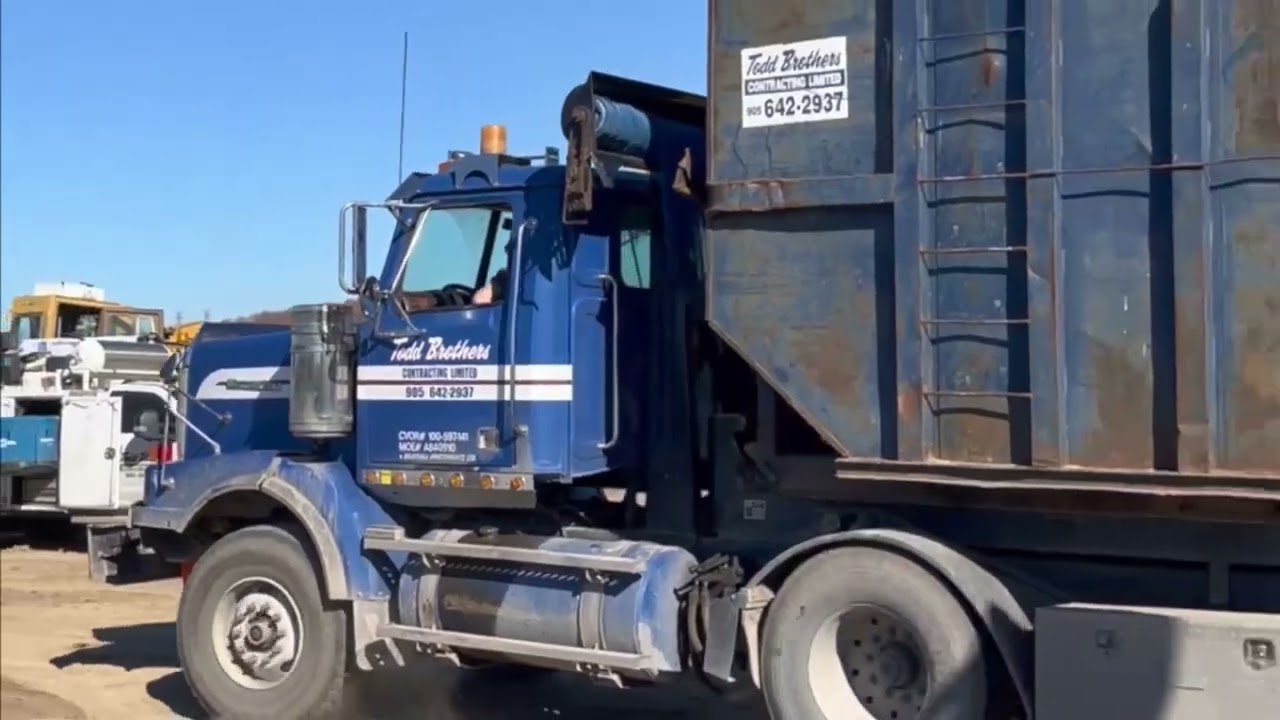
(457, 243)
(493, 291)
(489, 293)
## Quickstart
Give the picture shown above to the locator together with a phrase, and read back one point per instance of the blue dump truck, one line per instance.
(928, 367)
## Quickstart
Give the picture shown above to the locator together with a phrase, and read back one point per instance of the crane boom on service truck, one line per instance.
(935, 355)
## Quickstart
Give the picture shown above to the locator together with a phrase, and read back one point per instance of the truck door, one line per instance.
(612, 333)
(434, 392)
(88, 452)
(138, 453)
(631, 387)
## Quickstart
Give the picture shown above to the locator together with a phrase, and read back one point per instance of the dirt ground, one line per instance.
(71, 649)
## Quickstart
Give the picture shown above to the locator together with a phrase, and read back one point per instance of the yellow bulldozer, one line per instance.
(182, 335)
(64, 309)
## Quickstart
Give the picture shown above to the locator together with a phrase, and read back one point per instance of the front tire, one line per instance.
(866, 634)
(256, 638)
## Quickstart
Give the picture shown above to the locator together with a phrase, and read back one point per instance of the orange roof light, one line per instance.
(493, 140)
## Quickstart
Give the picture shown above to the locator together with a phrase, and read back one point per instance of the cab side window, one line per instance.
(459, 248)
(635, 237)
(120, 326)
(133, 404)
(26, 327)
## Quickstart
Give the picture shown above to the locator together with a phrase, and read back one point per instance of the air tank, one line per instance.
(123, 358)
(321, 394)
(636, 614)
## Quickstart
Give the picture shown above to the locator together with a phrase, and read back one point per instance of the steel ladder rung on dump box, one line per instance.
(392, 539)
(927, 323)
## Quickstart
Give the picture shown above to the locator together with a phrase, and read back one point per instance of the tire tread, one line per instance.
(843, 576)
(282, 546)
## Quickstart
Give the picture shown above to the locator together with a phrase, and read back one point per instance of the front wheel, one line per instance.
(255, 636)
(866, 634)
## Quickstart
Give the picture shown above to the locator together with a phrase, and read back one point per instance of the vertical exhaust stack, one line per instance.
(321, 387)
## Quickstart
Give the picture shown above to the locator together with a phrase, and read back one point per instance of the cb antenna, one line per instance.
(404, 85)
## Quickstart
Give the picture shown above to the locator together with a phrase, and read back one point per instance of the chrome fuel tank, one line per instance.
(633, 614)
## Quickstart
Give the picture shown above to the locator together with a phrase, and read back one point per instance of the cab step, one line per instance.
(392, 539)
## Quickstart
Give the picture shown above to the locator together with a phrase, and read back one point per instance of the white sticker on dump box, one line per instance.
(795, 82)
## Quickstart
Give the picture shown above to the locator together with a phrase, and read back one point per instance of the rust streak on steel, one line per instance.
(773, 190)
(1253, 384)
(1251, 381)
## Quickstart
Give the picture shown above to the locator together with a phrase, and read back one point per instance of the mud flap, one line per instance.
(116, 555)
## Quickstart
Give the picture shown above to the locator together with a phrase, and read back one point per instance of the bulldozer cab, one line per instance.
(129, 322)
(51, 316)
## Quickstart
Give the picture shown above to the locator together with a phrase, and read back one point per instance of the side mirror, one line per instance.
(353, 247)
(359, 240)
(169, 371)
(149, 426)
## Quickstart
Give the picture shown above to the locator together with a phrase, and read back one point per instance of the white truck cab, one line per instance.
(98, 472)
(80, 423)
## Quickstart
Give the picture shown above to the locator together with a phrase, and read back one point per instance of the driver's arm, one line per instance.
(416, 301)
(493, 291)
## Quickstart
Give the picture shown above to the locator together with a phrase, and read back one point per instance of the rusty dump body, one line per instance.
(1041, 252)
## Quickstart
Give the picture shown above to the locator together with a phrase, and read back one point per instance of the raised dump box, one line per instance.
(969, 238)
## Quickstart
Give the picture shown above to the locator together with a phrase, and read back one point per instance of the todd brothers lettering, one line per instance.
(789, 61)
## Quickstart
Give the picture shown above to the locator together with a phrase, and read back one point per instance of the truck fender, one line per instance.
(321, 495)
(302, 507)
(987, 597)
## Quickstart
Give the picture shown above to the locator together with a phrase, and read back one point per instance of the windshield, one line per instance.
(455, 246)
(128, 323)
(75, 320)
(119, 325)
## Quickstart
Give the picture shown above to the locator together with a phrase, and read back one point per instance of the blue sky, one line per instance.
(193, 156)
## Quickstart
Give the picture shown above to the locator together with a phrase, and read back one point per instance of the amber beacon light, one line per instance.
(493, 140)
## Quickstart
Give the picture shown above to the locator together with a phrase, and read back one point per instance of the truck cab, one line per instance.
(506, 347)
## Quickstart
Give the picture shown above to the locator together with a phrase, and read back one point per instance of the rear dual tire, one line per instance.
(866, 634)
(256, 638)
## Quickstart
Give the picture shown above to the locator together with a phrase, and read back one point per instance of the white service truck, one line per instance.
(80, 422)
